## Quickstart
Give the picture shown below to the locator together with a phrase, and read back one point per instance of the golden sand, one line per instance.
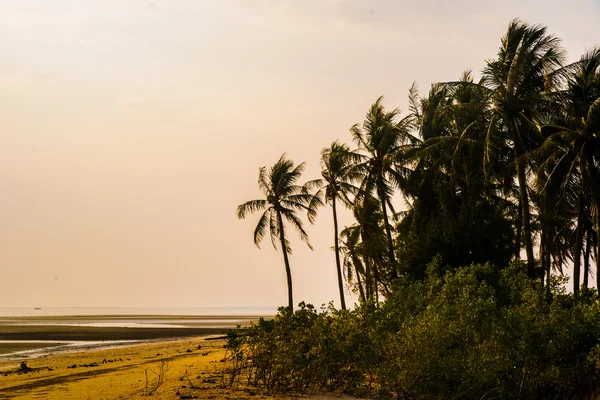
(120, 373)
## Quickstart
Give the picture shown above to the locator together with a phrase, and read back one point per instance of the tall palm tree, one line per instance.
(336, 171)
(517, 80)
(283, 198)
(571, 150)
(382, 138)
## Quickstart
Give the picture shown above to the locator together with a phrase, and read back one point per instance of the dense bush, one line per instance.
(472, 333)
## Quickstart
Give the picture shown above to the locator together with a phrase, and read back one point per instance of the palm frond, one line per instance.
(250, 207)
(261, 228)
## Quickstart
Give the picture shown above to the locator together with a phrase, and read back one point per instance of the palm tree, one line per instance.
(453, 207)
(517, 81)
(351, 249)
(555, 220)
(283, 199)
(571, 151)
(336, 163)
(382, 138)
(589, 244)
(368, 238)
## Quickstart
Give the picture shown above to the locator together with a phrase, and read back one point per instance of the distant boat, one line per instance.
(37, 308)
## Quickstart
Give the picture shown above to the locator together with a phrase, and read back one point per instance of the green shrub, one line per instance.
(472, 333)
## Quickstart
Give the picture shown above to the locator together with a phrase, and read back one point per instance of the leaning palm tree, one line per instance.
(284, 197)
(336, 171)
(382, 138)
(517, 81)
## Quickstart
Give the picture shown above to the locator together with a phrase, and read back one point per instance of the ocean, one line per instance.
(31, 332)
(139, 311)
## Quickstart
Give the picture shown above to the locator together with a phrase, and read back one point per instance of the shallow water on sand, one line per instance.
(59, 346)
(80, 332)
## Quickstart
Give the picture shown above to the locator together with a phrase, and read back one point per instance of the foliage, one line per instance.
(472, 333)
(487, 168)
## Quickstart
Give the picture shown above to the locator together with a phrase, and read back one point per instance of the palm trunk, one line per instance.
(288, 270)
(586, 259)
(518, 233)
(597, 223)
(369, 279)
(526, 217)
(361, 290)
(376, 279)
(577, 250)
(545, 240)
(388, 232)
(596, 214)
(337, 256)
(543, 247)
(546, 245)
(548, 272)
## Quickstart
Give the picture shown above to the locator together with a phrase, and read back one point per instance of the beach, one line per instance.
(119, 357)
(193, 366)
(108, 356)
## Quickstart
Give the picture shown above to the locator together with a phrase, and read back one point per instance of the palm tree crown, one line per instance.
(382, 138)
(527, 63)
(283, 199)
(337, 172)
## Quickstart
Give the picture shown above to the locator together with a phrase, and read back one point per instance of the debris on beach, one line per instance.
(24, 368)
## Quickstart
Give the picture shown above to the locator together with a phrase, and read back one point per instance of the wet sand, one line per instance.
(86, 333)
(110, 327)
(7, 348)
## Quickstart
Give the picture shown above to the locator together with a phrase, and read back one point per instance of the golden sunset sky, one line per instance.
(130, 130)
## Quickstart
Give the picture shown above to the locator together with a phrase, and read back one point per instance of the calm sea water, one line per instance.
(91, 311)
(126, 317)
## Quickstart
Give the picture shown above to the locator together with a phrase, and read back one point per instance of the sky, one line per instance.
(131, 130)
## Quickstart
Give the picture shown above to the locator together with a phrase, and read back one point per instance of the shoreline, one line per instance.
(26, 351)
(24, 333)
(28, 338)
(116, 327)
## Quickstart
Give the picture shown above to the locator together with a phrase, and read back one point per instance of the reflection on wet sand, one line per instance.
(32, 337)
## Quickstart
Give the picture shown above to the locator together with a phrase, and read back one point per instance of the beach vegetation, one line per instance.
(468, 211)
